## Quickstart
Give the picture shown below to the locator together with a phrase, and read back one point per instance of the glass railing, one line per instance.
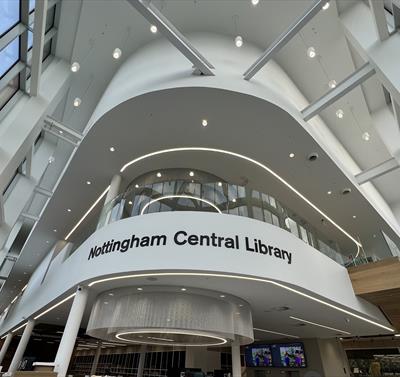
(180, 194)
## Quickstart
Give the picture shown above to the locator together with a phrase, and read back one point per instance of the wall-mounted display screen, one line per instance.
(289, 355)
(260, 357)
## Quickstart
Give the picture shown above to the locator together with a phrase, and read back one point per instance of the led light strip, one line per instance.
(249, 278)
(234, 154)
(179, 196)
(87, 213)
(221, 340)
(277, 333)
(20, 327)
(55, 306)
(319, 325)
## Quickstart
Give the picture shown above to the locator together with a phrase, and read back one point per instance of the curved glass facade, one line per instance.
(185, 190)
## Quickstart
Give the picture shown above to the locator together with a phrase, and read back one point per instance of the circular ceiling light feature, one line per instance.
(77, 102)
(204, 122)
(88, 182)
(153, 29)
(170, 337)
(51, 159)
(220, 184)
(159, 175)
(326, 6)
(340, 113)
(136, 186)
(354, 216)
(117, 53)
(191, 173)
(68, 209)
(234, 200)
(329, 192)
(255, 2)
(238, 41)
(139, 289)
(130, 202)
(332, 84)
(112, 149)
(366, 136)
(75, 67)
(291, 155)
(222, 296)
(183, 289)
(311, 53)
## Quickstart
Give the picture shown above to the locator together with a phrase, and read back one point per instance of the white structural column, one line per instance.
(236, 366)
(114, 188)
(6, 344)
(96, 359)
(142, 358)
(19, 353)
(68, 339)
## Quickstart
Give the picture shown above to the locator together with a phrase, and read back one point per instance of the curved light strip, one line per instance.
(221, 340)
(249, 278)
(255, 162)
(276, 333)
(55, 306)
(179, 196)
(319, 325)
(87, 213)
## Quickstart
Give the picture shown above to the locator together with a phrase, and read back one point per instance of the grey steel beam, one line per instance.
(51, 122)
(377, 171)
(38, 44)
(155, 17)
(348, 84)
(11, 35)
(378, 11)
(284, 38)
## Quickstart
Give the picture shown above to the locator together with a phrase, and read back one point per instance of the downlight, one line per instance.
(312, 157)
(346, 191)
(311, 53)
(117, 53)
(239, 41)
(75, 66)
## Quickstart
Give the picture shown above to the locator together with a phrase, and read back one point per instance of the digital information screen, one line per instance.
(289, 355)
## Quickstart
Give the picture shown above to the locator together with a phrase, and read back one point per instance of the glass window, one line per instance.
(292, 226)
(50, 18)
(9, 14)
(275, 220)
(31, 5)
(9, 55)
(30, 40)
(7, 92)
(303, 234)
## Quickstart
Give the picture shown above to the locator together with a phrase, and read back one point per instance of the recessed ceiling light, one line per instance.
(329, 192)
(204, 122)
(60, 132)
(106, 302)
(55, 230)
(219, 184)
(311, 53)
(325, 6)
(255, 2)
(183, 289)
(238, 41)
(112, 149)
(88, 182)
(191, 173)
(111, 294)
(77, 102)
(75, 66)
(234, 200)
(332, 84)
(117, 53)
(340, 113)
(153, 29)
(139, 289)
(222, 296)
(291, 155)
(241, 305)
(130, 202)
(159, 175)
(68, 209)
(354, 216)
(136, 186)
(366, 136)
(51, 159)
(47, 241)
